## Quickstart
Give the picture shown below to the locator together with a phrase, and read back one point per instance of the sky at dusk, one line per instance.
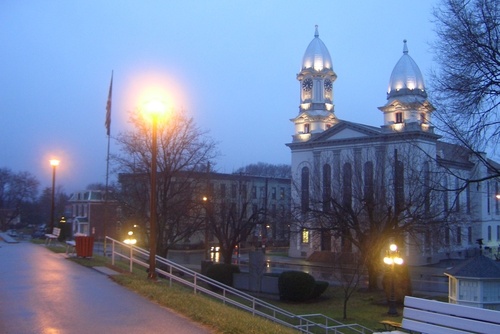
(230, 65)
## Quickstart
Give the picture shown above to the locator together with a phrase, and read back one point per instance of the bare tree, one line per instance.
(15, 190)
(232, 222)
(183, 151)
(466, 88)
(372, 206)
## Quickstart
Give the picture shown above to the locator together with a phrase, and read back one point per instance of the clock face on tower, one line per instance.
(328, 85)
(307, 85)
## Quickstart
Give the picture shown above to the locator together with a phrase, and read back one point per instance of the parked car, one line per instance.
(13, 233)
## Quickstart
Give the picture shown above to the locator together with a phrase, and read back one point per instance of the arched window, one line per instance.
(327, 187)
(368, 178)
(304, 190)
(347, 185)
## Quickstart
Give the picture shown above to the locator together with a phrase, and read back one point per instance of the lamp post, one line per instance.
(392, 258)
(54, 163)
(154, 110)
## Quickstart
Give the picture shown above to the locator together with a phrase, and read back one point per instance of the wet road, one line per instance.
(42, 292)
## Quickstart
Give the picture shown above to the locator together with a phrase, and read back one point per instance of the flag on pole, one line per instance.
(108, 107)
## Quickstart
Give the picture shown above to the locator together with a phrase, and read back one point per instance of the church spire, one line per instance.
(316, 91)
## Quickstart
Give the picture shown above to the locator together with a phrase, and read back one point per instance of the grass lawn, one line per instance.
(364, 308)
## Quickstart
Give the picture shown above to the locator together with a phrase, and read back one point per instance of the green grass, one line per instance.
(364, 308)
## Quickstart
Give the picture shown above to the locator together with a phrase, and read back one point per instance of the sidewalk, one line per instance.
(42, 292)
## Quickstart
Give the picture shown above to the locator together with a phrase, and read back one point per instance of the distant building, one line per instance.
(402, 162)
(268, 195)
(91, 214)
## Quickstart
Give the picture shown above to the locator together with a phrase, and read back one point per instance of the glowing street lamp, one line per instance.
(130, 240)
(392, 258)
(54, 163)
(154, 110)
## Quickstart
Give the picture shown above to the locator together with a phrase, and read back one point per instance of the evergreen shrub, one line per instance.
(295, 286)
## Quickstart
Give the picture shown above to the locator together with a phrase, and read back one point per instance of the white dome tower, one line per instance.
(316, 111)
(407, 107)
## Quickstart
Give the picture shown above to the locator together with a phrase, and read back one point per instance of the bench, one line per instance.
(430, 316)
(56, 231)
(70, 244)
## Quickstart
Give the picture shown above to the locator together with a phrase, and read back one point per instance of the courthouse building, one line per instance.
(403, 159)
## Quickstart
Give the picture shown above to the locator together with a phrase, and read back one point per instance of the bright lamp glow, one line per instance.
(54, 162)
(393, 247)
(154, 110)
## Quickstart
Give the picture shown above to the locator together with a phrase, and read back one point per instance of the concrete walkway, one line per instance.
(43, 292)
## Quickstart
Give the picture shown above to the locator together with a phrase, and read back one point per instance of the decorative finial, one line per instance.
(405, 48)
(316, 33)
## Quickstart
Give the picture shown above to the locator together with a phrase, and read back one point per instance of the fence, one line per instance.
(175, 273)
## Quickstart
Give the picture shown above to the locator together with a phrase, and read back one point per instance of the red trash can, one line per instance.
(84, 246)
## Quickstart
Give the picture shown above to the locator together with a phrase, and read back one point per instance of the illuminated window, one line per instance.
(399, 117)
(305, 236)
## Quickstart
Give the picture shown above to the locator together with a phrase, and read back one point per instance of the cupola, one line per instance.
(407, 107)
(316, 79)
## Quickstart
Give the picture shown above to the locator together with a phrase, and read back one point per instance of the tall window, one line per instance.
(399, 186)
(427, 188)
(222, 190)
(459, 235)
(467, 194)
(347, 185)
(327, 187)
(305, 236)
(399, 117)
(368, 191)
(445, 194)
(254, 192)
(489, 233)
(497, 208)
(306, 128)
(457, 195)
(273, 193)
(304, 194)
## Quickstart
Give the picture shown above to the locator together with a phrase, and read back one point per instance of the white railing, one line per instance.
(173, 272)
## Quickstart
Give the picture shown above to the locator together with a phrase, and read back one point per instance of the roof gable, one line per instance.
(346, 130)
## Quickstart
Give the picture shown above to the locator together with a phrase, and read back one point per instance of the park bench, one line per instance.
(430, 316)
(70, 245)
(56, 231)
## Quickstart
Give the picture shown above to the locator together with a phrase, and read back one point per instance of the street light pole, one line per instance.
(154, 109)
(392, 258)
(54, 163)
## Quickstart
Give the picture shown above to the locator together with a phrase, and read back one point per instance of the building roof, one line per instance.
(406, 78)
(317, 56)
(476, 267)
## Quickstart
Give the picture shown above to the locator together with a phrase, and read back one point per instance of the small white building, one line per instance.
(475, 282)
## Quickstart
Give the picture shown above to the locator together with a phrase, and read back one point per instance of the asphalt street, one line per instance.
(43, 292)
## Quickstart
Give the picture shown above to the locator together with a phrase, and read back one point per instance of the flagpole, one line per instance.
(108, 132)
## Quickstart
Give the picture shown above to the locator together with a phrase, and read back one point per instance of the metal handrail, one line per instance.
(174, 272)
